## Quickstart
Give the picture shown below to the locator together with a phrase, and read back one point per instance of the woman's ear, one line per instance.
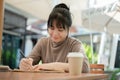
(48, 31)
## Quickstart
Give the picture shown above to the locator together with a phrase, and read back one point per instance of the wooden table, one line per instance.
(49, 76)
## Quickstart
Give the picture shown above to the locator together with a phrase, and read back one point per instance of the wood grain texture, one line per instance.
(50, 76)
(1, 24)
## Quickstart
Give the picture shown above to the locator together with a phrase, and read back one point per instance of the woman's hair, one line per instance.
(62, 15)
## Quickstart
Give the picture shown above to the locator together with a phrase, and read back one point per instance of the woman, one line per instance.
(53, 50)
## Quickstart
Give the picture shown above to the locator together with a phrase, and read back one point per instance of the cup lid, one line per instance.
(75, 54)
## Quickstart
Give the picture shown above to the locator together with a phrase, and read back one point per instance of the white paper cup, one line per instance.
(75, 60)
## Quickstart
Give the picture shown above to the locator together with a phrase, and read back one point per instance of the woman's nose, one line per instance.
(55, 32)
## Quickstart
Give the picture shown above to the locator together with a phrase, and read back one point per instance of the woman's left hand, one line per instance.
(52, 66)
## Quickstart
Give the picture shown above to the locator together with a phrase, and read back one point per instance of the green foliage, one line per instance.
(88, 51)
(113, 77)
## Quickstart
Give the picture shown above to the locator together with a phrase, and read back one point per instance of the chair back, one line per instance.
(97, 68)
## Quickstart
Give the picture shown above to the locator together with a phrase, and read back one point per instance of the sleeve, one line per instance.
(36, 52)
(78, 47)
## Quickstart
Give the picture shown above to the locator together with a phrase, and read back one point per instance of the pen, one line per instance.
(30, 67)
(22, 54)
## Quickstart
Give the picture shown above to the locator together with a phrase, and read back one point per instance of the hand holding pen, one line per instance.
(26, 63)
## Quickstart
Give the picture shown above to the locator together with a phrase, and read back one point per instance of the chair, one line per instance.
(97, 68)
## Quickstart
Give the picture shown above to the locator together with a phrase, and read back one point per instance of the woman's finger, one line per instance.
(37, 67)
(26, 64)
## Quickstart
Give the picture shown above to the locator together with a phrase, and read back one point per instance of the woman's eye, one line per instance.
(60, 29)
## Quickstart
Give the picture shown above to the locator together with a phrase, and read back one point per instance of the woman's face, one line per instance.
(57, 33)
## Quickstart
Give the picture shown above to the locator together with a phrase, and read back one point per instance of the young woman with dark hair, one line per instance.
(53, 50)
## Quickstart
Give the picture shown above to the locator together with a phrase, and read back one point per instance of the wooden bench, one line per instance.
(97, 68)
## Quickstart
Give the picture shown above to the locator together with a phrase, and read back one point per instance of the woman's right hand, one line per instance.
(26, 64)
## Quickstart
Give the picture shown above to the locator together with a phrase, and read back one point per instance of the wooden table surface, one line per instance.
(49, 76)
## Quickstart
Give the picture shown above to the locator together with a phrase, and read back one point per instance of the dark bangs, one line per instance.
(61, 18)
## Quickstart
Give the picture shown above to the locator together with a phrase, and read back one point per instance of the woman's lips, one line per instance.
(55, 38)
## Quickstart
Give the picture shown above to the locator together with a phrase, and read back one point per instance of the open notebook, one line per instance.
(40, 71)
(7, 68)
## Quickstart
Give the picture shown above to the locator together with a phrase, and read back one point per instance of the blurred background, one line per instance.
(95, 22)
